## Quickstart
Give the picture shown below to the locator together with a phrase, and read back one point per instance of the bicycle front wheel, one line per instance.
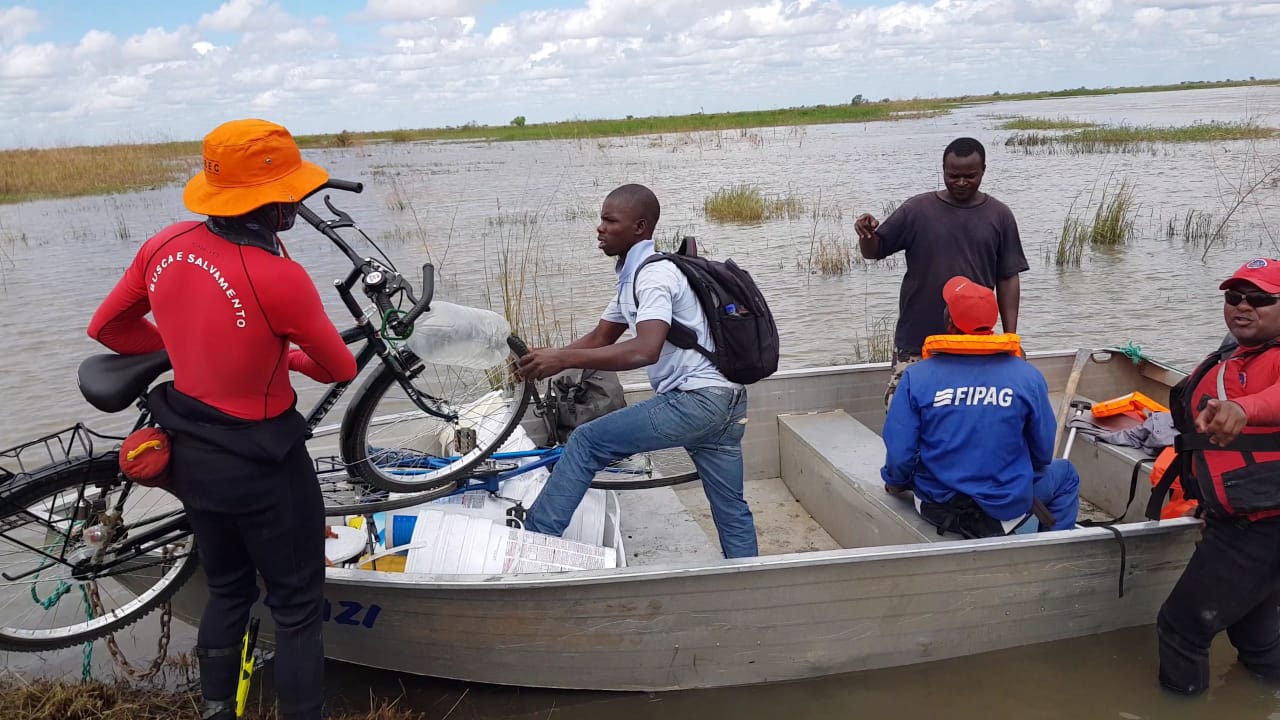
(82, 556)
(659, 468)
(388, 440)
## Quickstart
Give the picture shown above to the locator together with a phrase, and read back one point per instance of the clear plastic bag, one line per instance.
(458, 335)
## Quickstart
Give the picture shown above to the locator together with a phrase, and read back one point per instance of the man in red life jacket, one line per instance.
(236, 315)
(1228, 412)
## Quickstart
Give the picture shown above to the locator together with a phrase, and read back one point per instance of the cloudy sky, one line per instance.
(89, 71)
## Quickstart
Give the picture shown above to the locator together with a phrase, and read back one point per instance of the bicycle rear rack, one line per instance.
(56, 448)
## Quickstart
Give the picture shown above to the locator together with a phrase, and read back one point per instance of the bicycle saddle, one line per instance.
(112, 382)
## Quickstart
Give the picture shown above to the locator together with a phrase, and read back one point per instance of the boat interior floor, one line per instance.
(830, 466)
(674, 524)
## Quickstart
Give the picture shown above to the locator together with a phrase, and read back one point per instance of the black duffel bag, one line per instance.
(576, 397)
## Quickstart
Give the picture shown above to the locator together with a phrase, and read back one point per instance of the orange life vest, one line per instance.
(1007, 344)
(1177, 505)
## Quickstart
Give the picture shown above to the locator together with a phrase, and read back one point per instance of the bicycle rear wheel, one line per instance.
(58, 588)
(387, 440)
(659, 468)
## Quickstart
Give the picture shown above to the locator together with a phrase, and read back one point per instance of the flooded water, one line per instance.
(477, 208)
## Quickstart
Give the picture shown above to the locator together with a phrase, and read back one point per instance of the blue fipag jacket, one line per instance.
(981, 425)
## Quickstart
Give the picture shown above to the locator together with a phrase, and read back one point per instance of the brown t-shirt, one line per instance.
(941, 240)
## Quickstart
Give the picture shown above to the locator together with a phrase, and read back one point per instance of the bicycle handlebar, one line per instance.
(328, 228)
(337, 184)
(428, 290)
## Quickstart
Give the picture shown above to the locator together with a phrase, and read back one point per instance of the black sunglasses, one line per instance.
(1255, 299)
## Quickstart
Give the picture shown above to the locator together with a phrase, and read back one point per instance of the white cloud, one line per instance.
(30, 61)
(399, 10)
(95, 43)
(16, 23)
(157, 45)
(233, 16)
(403, 63)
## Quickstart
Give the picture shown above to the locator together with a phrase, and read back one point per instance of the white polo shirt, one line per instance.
(665, 295)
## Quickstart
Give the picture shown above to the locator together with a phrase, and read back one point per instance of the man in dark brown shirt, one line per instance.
(954, 231)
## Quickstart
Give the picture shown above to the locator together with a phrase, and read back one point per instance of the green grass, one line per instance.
(30, 174)
(1042, 123)
(602, 128)
(1114, 219)
(1128, 138)
(748, 204)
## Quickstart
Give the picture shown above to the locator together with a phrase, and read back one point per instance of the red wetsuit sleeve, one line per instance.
(1262, 407)
(121, 323)
(300, 317)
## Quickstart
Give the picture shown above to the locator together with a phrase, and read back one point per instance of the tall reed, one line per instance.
(1197, 228)
(1114, 219)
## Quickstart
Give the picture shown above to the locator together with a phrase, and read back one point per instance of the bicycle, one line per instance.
(71, 523)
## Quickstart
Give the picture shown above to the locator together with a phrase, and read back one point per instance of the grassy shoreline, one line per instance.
(94, 700)
(30, 174)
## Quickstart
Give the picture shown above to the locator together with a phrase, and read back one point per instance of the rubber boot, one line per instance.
(219, 673)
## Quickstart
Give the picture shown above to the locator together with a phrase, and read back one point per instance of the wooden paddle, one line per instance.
(1073, 381)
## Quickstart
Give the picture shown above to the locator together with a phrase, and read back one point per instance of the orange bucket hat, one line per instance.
(248, 164)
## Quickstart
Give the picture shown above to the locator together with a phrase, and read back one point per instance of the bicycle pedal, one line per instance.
(466, 440)
(515, 515)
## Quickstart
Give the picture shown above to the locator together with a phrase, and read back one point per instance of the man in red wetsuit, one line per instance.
(1228, 412)
(236, 315)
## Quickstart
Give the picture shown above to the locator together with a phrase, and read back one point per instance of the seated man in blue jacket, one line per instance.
(971, 430)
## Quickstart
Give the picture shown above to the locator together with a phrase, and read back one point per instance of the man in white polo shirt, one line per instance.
(694, 406)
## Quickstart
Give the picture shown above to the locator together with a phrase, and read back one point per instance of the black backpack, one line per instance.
(741, 324)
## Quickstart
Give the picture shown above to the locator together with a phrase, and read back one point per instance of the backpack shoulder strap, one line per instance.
(679, 334)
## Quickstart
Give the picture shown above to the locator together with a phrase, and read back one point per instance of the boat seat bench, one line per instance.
(831, 464)
(1099, 463)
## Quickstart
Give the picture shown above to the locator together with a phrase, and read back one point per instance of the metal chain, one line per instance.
(162, 646)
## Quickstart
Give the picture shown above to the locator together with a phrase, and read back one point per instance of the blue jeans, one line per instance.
(706, 422)
(1058, 487)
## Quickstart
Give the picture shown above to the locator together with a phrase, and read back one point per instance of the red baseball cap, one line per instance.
(1262, 272)
(972, 306)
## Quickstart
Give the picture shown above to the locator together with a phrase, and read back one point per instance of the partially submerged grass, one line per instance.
(1071, 243)
(748, 204)
(75, 171)
(56, 700)
(522, 218)
(1197, 228)
(1113, 223)
(1042, 123)
(1131, 139)
(518, 264)
(830, 255)
(876, 345)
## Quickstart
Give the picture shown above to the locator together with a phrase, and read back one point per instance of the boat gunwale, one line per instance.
(818, 558)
